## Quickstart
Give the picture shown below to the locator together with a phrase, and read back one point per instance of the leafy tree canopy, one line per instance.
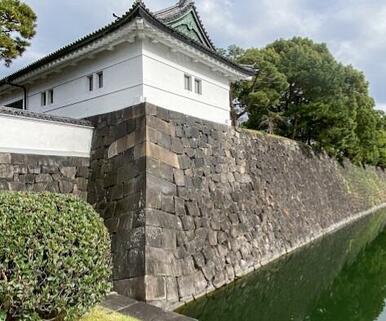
(17, 27)
(302, 92)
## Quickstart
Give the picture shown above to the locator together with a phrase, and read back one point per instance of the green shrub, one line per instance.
(54, 257)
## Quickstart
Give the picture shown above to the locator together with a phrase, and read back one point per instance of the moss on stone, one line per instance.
(366, 184)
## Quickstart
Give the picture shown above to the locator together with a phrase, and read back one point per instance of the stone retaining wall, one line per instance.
(192, 205)
(38, 173)
(117, 191)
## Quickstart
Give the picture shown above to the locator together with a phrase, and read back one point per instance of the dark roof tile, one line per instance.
(29, 114)
(138, 9)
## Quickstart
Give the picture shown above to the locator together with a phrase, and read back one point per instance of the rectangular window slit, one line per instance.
(100, 79)
(198, 86)
(43, 99)
(188, 82)
(90, 83)
(51, 96)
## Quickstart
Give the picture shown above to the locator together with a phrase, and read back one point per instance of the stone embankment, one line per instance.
(193, 205)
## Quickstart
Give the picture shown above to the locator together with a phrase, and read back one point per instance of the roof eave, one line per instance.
(154, 21)
(138, 10)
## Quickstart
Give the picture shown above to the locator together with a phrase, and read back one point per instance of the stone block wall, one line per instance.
(221, 202)
(38, 173)
(117, 191)
(192, 205)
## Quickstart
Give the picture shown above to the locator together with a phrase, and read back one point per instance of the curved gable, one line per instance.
(183, 17)
(189, 25)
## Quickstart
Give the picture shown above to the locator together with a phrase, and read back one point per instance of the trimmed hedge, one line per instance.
(55, 257)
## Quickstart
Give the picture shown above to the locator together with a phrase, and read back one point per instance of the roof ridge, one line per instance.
(117, 22)
(43, 116)
(179, 4)
(184, 6)
(112, 26)
(203, 27)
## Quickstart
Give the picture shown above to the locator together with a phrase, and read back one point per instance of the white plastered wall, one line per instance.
(122, 73)
(43, 137)
(133, 73)
(163, 74)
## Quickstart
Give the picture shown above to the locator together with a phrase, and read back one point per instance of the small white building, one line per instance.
(164, 58)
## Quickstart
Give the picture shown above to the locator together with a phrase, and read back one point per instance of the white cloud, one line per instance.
(353, 29)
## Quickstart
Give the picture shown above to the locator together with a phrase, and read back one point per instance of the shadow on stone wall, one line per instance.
(193, 205)
(39, 173)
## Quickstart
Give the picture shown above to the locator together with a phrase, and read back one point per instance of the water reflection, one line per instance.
(339, 278)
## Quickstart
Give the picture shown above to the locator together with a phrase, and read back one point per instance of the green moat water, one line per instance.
(341, 277)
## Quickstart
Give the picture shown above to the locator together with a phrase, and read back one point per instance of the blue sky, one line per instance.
(355, 30)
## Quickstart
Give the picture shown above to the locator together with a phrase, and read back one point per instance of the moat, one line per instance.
(341, 277)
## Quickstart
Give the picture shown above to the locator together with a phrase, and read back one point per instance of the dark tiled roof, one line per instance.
(138, 10)
(175, 11)
(179, 10)
(29, 114)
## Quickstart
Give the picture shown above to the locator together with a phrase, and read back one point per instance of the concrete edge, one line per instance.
(140, 310)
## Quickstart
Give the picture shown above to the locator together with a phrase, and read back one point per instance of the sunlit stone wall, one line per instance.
(192, 205)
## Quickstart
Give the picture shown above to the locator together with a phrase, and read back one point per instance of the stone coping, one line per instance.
(140, 310)
(41, 116)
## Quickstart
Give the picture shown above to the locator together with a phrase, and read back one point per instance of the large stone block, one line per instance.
(155, 288)
(157, 184)
(65, 186)
(186, 286)
(171, 289)
(162, 154)
(6, 171)
(68, 172)
(5, 158)
(16, 186)
(123, 144)
(131, 287)
(167, 203)
(179, 178)
(161, 237)
(162, 219)
(160, 125)
(43, 178)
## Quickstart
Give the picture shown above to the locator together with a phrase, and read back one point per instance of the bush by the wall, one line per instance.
(54, 257)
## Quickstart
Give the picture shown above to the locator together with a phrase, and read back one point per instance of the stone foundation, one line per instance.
(192, 205)
(39, 173)
(117, 189)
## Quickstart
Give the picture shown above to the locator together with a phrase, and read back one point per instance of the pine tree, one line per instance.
(301, 92)
(17, 27)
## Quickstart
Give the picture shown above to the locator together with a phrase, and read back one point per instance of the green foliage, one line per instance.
(17, 26)
(301, 92)
(233, 52)
(54, 257)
